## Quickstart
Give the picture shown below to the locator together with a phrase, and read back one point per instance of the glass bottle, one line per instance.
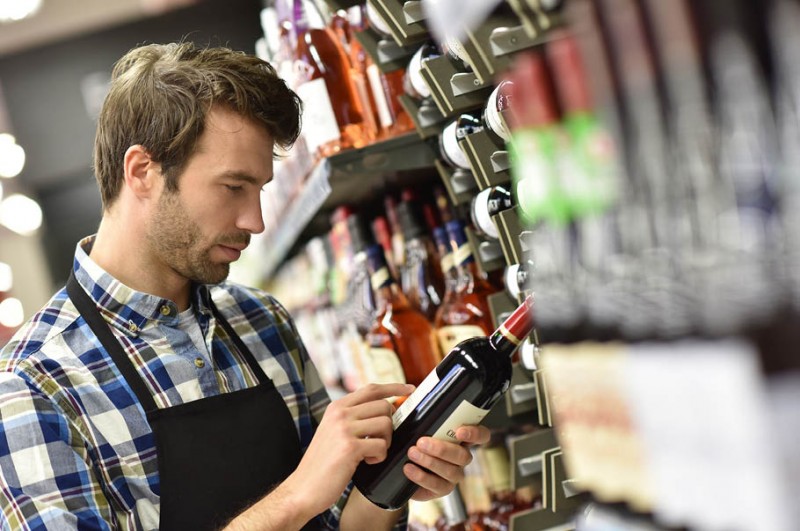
(402, 343)
(331, 110)
(459, 391)
(423, 281)
(467, 314)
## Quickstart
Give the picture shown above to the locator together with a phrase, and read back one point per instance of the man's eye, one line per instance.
(233, 188)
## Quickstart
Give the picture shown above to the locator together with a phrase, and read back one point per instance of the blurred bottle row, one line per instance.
(655, 162)
(393, 294)
(347, 101)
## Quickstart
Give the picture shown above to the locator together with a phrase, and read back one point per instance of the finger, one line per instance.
(437, 485)
(473, 435)
(378, 427)
(445, 450)
(373, 450)
(368, 410)
(445, 470)
(372, 392)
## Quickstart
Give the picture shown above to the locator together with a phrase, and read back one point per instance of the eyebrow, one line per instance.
(241, 176)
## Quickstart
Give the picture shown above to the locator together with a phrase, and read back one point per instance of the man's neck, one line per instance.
(128, 258)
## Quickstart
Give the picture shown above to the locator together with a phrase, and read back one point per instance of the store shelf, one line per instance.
(351, 177)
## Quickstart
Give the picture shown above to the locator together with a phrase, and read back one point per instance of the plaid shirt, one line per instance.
(76, 450)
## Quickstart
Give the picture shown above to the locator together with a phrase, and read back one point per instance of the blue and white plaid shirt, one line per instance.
(76, 450)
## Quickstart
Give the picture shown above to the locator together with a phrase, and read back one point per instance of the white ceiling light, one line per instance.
(11, 313)
(21, 214)
(6, 277)
(13, 10)
(12, 156)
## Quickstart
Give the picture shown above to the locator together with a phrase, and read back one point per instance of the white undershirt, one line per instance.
(188, 323)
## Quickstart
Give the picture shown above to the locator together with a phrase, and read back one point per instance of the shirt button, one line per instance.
(199, 363)
(132, 326)
(165, 310)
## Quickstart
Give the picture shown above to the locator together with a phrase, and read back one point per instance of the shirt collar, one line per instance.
(124, 307)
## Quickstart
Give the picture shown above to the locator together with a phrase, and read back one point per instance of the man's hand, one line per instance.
(354, 428)
(441, 463)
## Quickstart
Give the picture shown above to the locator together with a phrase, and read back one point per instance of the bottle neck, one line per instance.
(510, 335)
(306, 16)
(383, 283)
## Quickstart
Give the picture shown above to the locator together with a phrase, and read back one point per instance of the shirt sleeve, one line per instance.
(318, 400)
(46, 478)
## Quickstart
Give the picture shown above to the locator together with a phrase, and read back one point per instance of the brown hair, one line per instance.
(160, 96)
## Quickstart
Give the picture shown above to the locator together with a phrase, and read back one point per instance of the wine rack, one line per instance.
(457, 87)
(353, 176)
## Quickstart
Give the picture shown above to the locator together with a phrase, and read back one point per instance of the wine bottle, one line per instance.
(402, 343)
(460, 391)
(465, 124)
(423, 281)
(486, 204)
(455, 514)
(331, 108)
(467, 314)
(361, 298)
(414, 85)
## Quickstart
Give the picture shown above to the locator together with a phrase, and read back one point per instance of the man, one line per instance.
(149, 393)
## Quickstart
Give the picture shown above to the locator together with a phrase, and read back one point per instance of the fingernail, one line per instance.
(425, 444)
(414, 454)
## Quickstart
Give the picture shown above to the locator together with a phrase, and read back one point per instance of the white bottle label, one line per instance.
(318, 114)
(382, 104)
(481, 214)
(386, 366)
(452, 149)
(414, 400)
(415, 76)
(450, 336)
(465, 414)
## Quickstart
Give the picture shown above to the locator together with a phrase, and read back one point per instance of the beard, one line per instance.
(178, 242)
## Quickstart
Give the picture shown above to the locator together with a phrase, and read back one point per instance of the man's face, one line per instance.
(200, 229)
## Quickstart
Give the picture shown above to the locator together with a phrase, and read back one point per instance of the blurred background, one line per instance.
(55, 65)
(635, 164)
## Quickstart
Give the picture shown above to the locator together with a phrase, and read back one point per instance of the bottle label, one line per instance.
(415, 398)
(386, 366)
(498, 101)
(452, 151)
(481, 214)
(450, 336)
(381, 103)
(415, 76)
(380, 278)
(318, 114)
(465, 414)
(463, 254)
(446, 262)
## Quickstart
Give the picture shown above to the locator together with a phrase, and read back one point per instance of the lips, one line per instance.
(232, 253)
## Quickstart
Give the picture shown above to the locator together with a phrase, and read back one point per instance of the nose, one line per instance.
(251, 218)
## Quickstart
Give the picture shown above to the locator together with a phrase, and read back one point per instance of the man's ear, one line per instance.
(142, 173)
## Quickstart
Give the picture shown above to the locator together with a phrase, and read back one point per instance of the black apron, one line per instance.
(216, 455)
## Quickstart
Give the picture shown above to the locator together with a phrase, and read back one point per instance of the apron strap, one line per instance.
(88, 310)
(240, 346)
